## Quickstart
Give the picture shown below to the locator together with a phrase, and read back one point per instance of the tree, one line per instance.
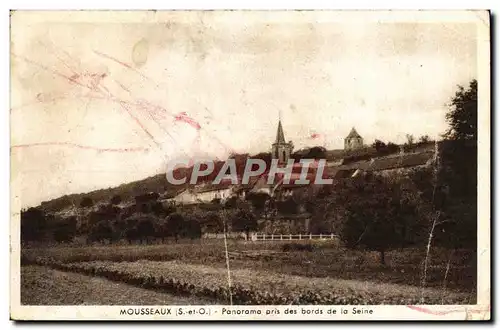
(145, 229)
(455, 202)
(377, 215)
(263, 204)
(379, 146)
(65, 230)
(258, 199)
(392, 147)
(116, 199)
(191, 229)
(213, 223)
(316, 153)
(462, 117)
(424, 139)
(175, 224)
(244, 220)
(288, 206)
(131, 234)
(410, 140)
(101, 232)
(33, 224)
(86, 202)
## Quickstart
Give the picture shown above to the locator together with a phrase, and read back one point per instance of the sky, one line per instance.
(101, 100)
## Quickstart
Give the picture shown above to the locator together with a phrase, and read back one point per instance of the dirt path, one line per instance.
(46, 286)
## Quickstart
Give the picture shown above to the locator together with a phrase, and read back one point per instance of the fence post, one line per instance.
(320, 236)
(310, 236)
(290, 238)
(272, 237)
(264, 236)
(300, 236)
(331, 235)
(281, 237)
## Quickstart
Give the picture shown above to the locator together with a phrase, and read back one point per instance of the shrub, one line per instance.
(297, 247)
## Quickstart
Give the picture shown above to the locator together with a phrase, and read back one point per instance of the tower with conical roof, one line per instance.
(281, 149)
(353, 140)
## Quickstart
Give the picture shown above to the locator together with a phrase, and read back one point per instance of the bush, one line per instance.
(297, 247)
(86, 202)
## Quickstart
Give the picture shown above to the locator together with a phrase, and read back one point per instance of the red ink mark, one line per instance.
(122, 104)
(155, 112)
(70, 79)
(59, 58)
(128, 66)
(183, 116)
(315, 136)
(75, 79)
(79, 146)
(436, 312)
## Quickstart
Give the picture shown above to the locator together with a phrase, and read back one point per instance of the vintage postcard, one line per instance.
(250, 165)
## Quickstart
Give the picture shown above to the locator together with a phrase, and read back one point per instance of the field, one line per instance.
(261, 273)
(45, 286)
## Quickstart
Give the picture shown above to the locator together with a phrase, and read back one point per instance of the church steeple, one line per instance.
(281, 150)
(280, 136)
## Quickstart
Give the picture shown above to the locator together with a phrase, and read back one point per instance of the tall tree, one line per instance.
(377, 214)
(175, 225)
(33, 224)
(244, 220)
(462, 117)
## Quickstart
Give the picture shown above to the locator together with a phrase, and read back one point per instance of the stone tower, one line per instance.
(281, 149)
(353, 140)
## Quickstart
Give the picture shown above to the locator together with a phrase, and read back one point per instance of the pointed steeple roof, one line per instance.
(353, 134)
(280, 136)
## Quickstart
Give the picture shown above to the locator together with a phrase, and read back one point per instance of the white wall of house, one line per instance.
(190, 197)
(208, 196)
(185, 197)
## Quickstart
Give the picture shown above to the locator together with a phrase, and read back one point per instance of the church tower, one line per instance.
(353, 140)
(281, 150)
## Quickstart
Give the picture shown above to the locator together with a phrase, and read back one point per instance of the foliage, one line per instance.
(33, 224)
(451, 198)
(424, 139)
(462, 117)
(383, 148)
(86, 202)
(253, 288)
(244, 220)
(213, 223)
(297, 247)
(288, 207)
(116, 199)
(378, 215)
(175, 225)
(65, 230)
(101, 232)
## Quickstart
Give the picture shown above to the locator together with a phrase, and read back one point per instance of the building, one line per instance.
(205, 193)
(281, 149)
(353, 141)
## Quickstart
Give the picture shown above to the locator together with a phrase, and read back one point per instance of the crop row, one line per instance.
(248, 287)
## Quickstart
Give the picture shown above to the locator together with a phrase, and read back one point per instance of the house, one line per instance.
(204, 193)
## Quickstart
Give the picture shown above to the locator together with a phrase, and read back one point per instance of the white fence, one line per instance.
(290, 237)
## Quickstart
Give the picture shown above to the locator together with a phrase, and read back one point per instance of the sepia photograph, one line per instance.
(260, 165)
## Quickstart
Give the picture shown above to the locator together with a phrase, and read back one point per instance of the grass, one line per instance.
(257, 287)
(45, 286)
(404, 266)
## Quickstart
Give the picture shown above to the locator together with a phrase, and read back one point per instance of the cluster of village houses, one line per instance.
(282, 151)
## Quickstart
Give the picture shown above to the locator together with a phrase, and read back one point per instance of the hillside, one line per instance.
(158, 183)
